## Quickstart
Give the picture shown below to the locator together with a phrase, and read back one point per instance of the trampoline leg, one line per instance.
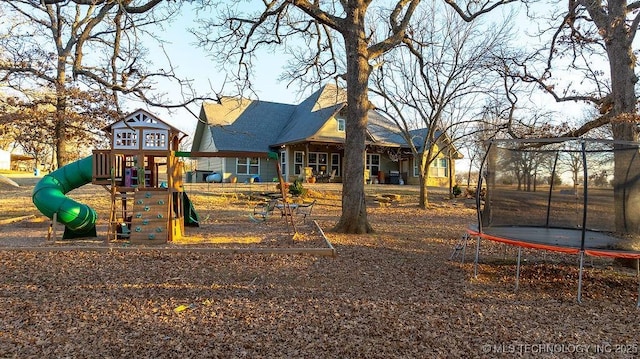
(475, 264)
(580, 277)
(464, 247)
(518, 269)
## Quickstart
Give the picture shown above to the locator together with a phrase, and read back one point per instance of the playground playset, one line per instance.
(143, 208)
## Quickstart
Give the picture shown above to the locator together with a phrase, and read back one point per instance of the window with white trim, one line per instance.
(373, 164)
(318, 162)
(125, 139)
(248, 166)
(341, 124)
(439, 168)
(298, 162)
(283, 163)
(155, 139)
(335, 164)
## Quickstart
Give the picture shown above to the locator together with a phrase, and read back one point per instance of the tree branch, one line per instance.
(398, 27)
(484, 8)
(314, 11)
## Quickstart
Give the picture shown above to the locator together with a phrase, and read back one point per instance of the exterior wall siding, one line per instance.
(432, 181)
(330, 130)
(268, 170)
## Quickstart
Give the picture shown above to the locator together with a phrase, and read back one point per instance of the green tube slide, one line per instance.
(49, 197)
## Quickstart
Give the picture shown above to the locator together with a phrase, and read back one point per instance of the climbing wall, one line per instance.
(150, 221)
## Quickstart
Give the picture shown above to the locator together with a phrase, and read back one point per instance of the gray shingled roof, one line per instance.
(258, 125)
(255, 129)
(419, 135)
(384, 131)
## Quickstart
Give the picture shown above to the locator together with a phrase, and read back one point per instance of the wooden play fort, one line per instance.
(145, 208)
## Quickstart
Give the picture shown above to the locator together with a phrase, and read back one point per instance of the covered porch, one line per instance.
(324, 162)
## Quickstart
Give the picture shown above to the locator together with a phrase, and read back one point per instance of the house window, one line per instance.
(439, 168)
(335, 164)
(125, 138)
(341, 124)
(155, 140)
(298, 162)
(318, 162)
(373, 164)
(248, 166)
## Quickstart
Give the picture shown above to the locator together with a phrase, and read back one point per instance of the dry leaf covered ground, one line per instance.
(390, 294)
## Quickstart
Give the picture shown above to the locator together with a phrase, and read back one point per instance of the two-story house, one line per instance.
(309, 139)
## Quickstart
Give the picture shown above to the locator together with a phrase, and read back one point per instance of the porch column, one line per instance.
(306, 161)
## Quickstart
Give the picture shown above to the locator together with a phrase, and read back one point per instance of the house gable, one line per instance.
(222, 113)
(141, 118)
(312, 114)
(240, 125)
(227, 111)
(329, 132)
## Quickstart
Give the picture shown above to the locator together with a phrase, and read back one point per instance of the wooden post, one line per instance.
(51, 235)
(286, 208)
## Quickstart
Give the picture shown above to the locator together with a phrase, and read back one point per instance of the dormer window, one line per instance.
(341, 124)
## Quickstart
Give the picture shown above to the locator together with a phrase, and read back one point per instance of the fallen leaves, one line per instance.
(390, 294)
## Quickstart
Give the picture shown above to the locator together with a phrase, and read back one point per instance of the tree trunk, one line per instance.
(63, 156)
(626, 181)
(450, 174)
(424, 180)
(489, 170)
(354, 210)
(626, 163)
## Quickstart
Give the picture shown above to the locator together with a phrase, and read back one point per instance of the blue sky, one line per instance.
(193, 63)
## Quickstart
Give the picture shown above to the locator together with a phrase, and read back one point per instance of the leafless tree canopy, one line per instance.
(437, 79)
(88, 45)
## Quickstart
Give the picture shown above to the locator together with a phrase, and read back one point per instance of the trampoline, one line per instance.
(560, 195)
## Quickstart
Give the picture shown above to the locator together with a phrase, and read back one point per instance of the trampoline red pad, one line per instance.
(563, 240)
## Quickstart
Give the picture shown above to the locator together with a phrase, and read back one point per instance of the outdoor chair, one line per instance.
(332, 176)
(263, 210)
(326, 177)
(304, 209)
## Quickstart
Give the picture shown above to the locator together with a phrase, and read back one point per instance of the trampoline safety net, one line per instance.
(565, 183)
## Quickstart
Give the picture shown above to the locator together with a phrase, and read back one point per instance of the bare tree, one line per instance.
(87, 113)
(239, 36)
(87, 45)
(431, 86)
